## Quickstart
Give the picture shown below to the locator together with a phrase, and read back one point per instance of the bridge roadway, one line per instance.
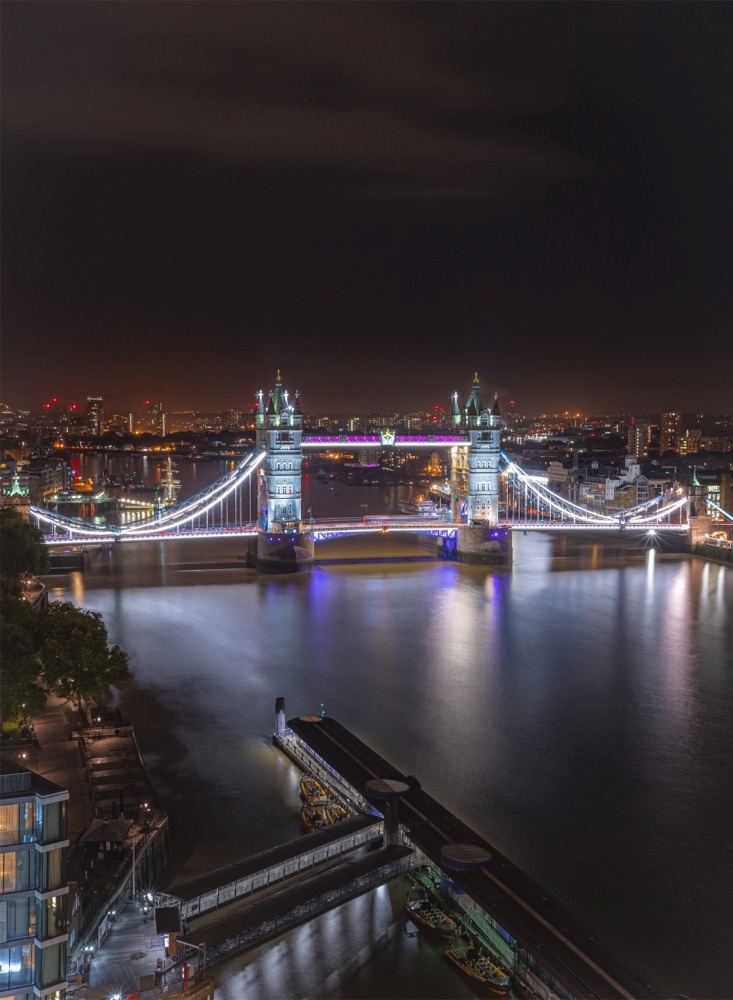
(501, 889)
(334, 527)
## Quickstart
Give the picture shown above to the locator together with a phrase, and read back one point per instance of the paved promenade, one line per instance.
(131, 950)
(58, 758)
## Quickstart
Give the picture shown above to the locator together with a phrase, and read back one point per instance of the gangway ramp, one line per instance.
(242, 878)
(263, 919)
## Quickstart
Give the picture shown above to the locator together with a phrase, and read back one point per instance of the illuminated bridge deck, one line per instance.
(501, 889)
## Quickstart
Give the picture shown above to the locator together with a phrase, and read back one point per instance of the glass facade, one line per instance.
(17, 967)
(33, 850)
(17, 870)
(52, 917)
(52, 869)
(19, 918)
(52, 826)
(53, 965)
(17, 823)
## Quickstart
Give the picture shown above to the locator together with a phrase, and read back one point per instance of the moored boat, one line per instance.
(431, 917)
(314, 818)
(481, 969)
(335, 812)
(421, 507)
(312, 791)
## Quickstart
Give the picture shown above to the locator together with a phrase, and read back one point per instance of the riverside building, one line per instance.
(33, 885)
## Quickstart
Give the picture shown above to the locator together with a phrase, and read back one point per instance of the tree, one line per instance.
(21, 546)
(76, 660)
(20, 693)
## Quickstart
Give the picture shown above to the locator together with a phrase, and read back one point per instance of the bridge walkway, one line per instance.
(231, 882)
(260, 920)
(520, 906)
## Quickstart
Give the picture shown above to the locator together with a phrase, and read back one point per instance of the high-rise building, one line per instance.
(669, 431)
(638, 437)
(33, 885)
(94, 415)
(153, 419)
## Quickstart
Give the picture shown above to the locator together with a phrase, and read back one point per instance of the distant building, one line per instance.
(120, 423)
(721, 444)
(33, 884)
(46, 476)
(689, 443)
(669, 431)
(94, 415)
(639, 434)
(153, 419)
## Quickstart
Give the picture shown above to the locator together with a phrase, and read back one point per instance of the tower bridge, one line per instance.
(490, 495)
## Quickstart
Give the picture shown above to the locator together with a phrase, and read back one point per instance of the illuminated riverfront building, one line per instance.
(33, 885)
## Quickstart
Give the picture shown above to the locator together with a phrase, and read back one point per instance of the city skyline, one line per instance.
(377, 199)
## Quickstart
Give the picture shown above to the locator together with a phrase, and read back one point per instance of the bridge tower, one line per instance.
(279, 432)
(475, 472)
(698, 518)
(281, 544)
(475, 482)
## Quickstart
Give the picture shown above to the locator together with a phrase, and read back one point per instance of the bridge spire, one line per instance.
(474, 406)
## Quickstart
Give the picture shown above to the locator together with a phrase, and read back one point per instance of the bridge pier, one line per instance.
(282, 552)
(480, 544)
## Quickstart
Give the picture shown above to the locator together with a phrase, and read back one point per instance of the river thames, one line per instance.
(578, 713)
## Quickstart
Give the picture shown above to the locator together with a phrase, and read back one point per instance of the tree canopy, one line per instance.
(21, 546)
(21, 692)
(75, 658)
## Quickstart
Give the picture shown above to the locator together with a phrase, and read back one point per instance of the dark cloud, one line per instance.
(363, 88)
(540, 190)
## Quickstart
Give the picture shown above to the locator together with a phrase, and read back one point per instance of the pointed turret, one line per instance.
(296, 404)
(474, 406)
(495, 411)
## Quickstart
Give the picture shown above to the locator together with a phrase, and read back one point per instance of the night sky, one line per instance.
(376, 198)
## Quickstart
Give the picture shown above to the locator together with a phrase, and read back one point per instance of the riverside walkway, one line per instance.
(542, 938)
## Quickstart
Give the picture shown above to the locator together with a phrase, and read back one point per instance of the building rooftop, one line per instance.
(17, 780)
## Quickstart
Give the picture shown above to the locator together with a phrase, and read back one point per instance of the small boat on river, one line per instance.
(314, 818)
(312, 791)
(336, 812)
(479, 967)
(430, 916)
